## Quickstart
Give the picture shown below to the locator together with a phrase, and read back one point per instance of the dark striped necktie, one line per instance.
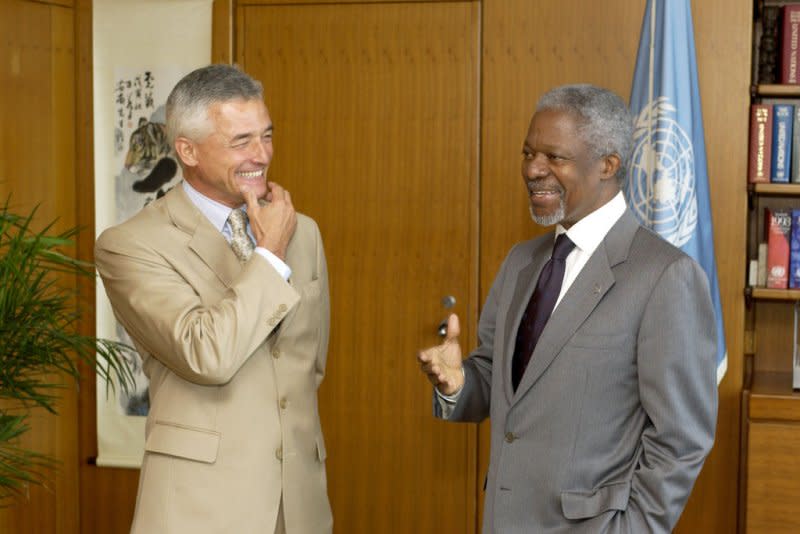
(540, 307)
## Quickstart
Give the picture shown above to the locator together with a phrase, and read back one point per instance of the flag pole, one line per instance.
(650, 149)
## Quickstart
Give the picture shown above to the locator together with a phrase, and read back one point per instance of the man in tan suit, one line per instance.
(233, 336)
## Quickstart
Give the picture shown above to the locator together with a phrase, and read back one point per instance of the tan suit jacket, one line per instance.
(234, 355)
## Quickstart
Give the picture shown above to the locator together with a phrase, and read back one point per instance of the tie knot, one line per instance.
(563, 247)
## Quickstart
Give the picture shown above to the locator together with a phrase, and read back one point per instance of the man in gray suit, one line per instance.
(604, 409)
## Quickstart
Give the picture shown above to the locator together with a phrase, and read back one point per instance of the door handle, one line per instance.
(441, 331)
(448, 301)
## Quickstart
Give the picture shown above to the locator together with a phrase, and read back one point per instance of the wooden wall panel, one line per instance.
(63, 3)
(222, 31)
(107, 495)
(340, 2)
(531, 47)
(62, 188)
(37, 166)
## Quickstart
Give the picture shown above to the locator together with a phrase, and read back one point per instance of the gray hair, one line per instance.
(188, 103)
(605, 123)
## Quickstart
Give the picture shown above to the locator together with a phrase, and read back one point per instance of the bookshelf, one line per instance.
(769, 319)
(763, 293)
(772, 397)
(774, 189)
(770, 455)
(765, 90)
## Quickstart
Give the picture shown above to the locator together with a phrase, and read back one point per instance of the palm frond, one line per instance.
(39, 318)
(19, 468)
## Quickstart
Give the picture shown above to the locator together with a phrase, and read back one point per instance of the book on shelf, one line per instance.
(761, 274)
(768, 46)
(790, 39)
(760, 150)
(782, 122)
(752, 273)
(778, 225)
(794, 177)
(794, 251)
(795, 348)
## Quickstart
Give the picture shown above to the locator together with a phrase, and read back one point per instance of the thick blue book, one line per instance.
(795, 176)
(794, 251)
(782, 143)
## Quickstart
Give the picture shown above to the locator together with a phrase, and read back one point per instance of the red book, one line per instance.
(760, 152)
(778, 227)
(790, 39)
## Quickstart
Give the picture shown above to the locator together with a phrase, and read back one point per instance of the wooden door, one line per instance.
(376, 111)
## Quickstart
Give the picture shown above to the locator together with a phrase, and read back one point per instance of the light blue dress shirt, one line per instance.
(217, 214)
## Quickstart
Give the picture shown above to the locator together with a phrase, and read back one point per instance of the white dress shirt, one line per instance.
(587, 234)
(217, 214)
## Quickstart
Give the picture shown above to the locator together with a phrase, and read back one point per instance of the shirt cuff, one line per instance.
(284, 270)
(447, 403)
(451, 399)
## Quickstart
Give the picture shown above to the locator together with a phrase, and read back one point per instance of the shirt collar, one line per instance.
(592, 229)
(214, 211)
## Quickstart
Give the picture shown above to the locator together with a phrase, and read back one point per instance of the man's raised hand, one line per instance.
(442, 364)
(273, 222)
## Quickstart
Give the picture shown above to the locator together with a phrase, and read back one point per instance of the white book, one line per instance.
(762, 265)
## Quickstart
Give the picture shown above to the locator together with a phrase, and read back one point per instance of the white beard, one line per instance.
(548, 220)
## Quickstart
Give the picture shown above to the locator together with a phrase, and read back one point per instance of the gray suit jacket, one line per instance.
(616, 412)
(234, 355)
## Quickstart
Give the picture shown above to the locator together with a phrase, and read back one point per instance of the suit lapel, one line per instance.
(205, 241)
(594, 281)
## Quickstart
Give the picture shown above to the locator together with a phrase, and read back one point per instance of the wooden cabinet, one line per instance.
(773, 454)
(772, 481)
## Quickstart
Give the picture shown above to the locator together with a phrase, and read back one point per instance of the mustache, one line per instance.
(534, 186)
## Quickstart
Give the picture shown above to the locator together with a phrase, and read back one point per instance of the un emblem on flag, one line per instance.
(661, 179)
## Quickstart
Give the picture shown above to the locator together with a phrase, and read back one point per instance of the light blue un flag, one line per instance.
(667, 185)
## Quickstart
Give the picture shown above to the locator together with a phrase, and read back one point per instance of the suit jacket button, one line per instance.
(276, 353)
(283, 403)
(510, 437)
(279, 454)
(272, 321)
(282, 308)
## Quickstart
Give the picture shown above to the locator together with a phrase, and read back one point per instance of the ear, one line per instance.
(186, 151)
(610, 166)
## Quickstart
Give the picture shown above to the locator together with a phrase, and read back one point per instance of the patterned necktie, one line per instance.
(540, 307)
(240, 241)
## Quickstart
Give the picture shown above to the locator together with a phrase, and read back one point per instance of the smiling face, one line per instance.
(235, 154)
(565, 180)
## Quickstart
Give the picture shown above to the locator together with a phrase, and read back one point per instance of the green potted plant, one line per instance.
(39, 339)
